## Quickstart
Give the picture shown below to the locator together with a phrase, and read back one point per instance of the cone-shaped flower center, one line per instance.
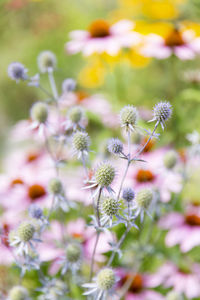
(174, 39)
(99, 29)
(16, 181)
(149, 146)
(145, 176)
(192, 220)
(5, 233)
(136, 284)
(32, 156)
(36, 191)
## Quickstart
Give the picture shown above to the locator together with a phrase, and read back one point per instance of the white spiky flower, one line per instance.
(18, 293)
(161, 113)
(129, 117)
(109, 208)
(81, 143)
(46, 61)
(17, 71)
(73, 258)
(142, 202)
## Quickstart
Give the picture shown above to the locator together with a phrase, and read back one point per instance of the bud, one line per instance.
(35, 211)
(39, 112)
(128, 116)
(75, 114)
(170, 159)
(110, 206)
(73, 252)
(115, 146)
(55, 186)
(26, 231)
(144, 198)
(162, 112)
(81, 141)
(105, 174)
(68, 85)
(128, 194)
(105, 279)
(173, 296)
(46, 61)
(18, 293)
(17, 71)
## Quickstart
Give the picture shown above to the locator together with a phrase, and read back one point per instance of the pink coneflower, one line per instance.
(103, 38)
(140, 287)
(184, 229)
(183, 44)
(183, 280)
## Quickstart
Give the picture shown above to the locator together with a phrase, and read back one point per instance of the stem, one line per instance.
(84, 165)
(45, 91)
(93, 254)
(53, 85)
(98, 206)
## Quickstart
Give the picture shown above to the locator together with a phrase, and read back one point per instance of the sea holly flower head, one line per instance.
(55, 186)
(105, 174)
(81, 143)
(46, 61)
(18, 293)
(109, 209)
(17, 71)
(128, 194)
(170, 159)
(68, 85)
(142, 201)
(161, 113)
(75, 117)
(72, 260)
(129, 117)
(115, 146)
(52, 289)
(103, 285)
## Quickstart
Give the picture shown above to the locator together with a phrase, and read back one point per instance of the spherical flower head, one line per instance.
(128, 116)
(110, 206)
(105, 174)
(11, 236)
(26, 231)
(68, 85)
(73, 252)
(173, 296)
(105, 279)
(17, 71)
(46, 61)
(35, 211)
(170, 159)
(55, 186)
(18, 293)
(162, 112)
(81, 141)
(144, 198)
(128, 194)
(39, 112)
(75, 114)
(115, 146)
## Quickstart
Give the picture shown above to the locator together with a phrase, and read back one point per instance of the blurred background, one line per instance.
(30, 26)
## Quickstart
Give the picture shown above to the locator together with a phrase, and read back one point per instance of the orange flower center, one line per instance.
(99, 29)
(149, 146)
(136, 283)
(36, 191)
(16, 181)
(5, 232)
(144, 176)
(174, 39)
(81, 95)
(192, 220)
(32, 157)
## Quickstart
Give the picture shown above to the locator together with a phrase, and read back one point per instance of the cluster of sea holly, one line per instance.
(111, 205)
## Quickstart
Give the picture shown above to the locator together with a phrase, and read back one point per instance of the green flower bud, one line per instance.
(128, 116)
(26, 231)
(81, 141)
(110, 206)
(170, 159)
(55, 186)
(144, 198)
(75, 114)
(39, 112)
(105, 279)
(73, 252)
(173, 296)
(18, 293)
(46, 61)
(105, 174)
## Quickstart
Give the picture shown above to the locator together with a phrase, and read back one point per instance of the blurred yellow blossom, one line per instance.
(135, 59)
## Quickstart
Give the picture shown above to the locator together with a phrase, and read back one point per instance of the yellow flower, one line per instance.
(135, 59)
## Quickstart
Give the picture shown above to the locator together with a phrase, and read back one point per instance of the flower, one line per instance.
(170, 159)
(18, 293)
(183, 44)
(109, 209)
(75, 119)
(46, 61)
(72, 260)
(81, 143)
(142, 202)
(128, 194)
(183, 229)
(161, 113)
(104, 174)
(39, 115)
(103, 38)
(17, 71)
(103, 284)
(68, 85)
(129, 117)
(115, 146)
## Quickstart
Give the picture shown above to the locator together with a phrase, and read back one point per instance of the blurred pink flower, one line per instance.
(140, 288)
(182, 44)
(184, 229)
(101, 37)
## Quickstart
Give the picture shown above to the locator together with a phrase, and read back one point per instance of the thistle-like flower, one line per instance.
(56, 189)
(72, 260)
(81, 143)
(129, 117)
(39, 115)
(75, 117)
(115, 146)
(68, 85)
(23, 238)
(52, 289)
(170, 159)
(161, 113)
(36, 213)
(46, 61)
(174, 296)
(103, 285)
(109, 208)
(128, 194)
(17, 71)
(18, 293)
(142, 202)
